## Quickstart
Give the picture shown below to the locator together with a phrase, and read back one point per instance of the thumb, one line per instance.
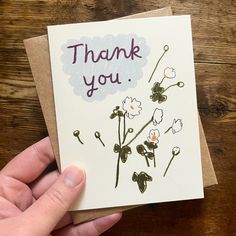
(52, 206)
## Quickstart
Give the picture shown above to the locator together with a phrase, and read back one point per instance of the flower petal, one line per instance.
(157, 116)
(169, 72)
(131, 106)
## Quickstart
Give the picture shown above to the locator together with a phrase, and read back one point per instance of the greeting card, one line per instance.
(126, 109)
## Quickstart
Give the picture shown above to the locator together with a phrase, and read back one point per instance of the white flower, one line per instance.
(180, 84)
(175, 151)
(157, 116)
(132, 107)
(177, 126)
(154, 134)
(169, 72)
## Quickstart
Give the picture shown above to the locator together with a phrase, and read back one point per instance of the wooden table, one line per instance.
(214, 39)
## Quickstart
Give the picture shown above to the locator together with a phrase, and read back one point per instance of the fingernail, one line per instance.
(73, 176)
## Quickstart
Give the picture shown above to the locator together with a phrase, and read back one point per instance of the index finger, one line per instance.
(29, 164)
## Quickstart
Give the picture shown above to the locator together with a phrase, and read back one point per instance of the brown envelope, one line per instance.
(38, 56)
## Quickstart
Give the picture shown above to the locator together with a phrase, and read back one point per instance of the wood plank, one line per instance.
(18, 89)
(14, 65)
(22, 124)
(216, 87)
(214, 24)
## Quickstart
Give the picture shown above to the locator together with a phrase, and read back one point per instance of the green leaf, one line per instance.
(135, 177)
(150, 145)
(145, 176)
(157, 88)
(127, 149)
(162, 98)
(113, 115)
(124, 153)
(116, 148)
(150, 155)
(140, 149)
(141, 180)
(158, 97)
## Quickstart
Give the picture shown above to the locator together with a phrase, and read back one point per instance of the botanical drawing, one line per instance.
(98, 136)
(165, 48)
(158, 90)
(175, 152)
(131, 107)
(151, 144)
(176, 126)
(141, 180)
(76, 133)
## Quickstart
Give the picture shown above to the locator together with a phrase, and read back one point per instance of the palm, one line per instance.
(18, 195)
(22, 183)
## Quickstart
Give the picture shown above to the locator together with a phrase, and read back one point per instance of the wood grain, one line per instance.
(214, 40)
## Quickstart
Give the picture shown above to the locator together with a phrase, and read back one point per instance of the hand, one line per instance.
(36, 204)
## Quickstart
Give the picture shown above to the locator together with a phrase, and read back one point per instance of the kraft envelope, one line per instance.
(38, 55)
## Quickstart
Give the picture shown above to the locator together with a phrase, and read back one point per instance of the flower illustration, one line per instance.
(158, 90)
(143, 152)
(175, 151)
(157, 116)
(176, 127)
(141, 180)
(132, 107)
(180, 84)
(154, 135)
(169, 73)
(165, 48)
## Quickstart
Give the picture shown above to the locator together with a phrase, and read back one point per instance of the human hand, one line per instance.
(32, 204)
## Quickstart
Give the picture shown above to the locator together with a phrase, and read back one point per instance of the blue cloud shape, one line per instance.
(104, 75)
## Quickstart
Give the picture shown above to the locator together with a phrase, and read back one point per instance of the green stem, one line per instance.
(80, 140)
(147, 161)
(118, 160)
(168, 130)
(119, 130)
(154, 160)
(162, 80)
(103, 144)
(169, 87)
(168, 165)
(139, 132)
(124, 129)
(156, 66)
(125, 137)
(117, 170)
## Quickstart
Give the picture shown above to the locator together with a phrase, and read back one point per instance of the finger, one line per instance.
(8, 209)
(42, 184)
(92, 228)
(52, 206)
(15, 192)
(29, 164)
(66, 220)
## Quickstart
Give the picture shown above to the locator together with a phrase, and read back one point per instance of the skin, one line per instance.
(32, 203)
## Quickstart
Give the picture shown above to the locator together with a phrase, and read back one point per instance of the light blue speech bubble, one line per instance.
(100, 66)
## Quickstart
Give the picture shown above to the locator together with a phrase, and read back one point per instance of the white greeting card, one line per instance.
(126, 109)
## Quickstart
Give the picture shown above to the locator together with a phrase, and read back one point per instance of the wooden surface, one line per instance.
(214, 39)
